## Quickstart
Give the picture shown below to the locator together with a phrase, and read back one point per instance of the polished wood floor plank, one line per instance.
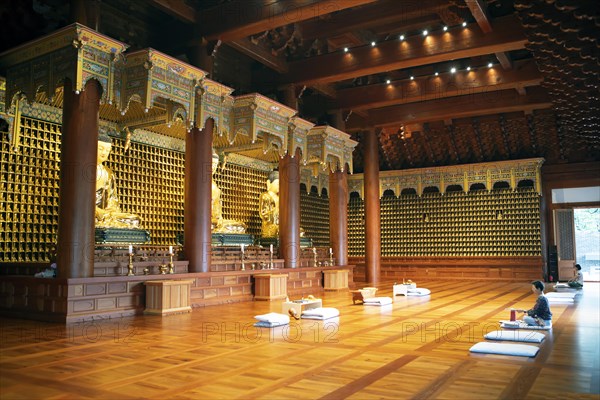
(416, 348)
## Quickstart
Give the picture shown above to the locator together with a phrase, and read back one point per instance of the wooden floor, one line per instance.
(418, 348)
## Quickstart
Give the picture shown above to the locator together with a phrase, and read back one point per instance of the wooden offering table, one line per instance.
(168, 297)
(335, 279)
(270, 286)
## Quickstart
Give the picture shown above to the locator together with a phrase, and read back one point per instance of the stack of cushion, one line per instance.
(377, 301)
(321, 313)
(563, 297)
(516, 336)
(418, 292)
(271, 320)
(511, 349)
(523, 325)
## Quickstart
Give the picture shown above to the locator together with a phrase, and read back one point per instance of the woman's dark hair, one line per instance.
(578, 267)
(539, 285)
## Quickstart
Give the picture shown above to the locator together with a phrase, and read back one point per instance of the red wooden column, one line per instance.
(289, 210)
(198, 189)
(77, 198)
(372, 209)
(338, 216)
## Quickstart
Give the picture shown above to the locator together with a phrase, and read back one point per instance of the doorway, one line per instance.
(587, 242)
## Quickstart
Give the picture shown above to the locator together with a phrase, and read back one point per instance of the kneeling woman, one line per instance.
(540, 314)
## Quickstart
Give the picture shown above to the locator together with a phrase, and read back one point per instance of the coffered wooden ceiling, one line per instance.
(491, 80)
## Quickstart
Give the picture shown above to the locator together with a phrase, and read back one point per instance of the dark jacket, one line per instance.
(541, 309)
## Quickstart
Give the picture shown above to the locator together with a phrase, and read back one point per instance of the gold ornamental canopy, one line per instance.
(329, 148)
(487, 174)
(147, 92)
(74, 52)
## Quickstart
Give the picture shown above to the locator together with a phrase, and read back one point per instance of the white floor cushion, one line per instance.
(559, 300)
(509, 349)
(274, 318)
(321, 313)
(378, 301)
(265, 324)
(561, 295)
(418, 292)
(516, 335)
(522, 325)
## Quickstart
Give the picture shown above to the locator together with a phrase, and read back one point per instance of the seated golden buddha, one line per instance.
(108, 211)
(269, 207)
(218, 223)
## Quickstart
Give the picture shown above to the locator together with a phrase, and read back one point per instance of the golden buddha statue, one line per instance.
(269, 207)
(108, 212)
(218, 223)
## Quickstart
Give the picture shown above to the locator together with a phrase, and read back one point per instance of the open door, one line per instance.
(564, 225)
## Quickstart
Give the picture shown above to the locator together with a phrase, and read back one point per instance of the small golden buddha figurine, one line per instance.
(108, 212)
(218, 224)
(269, 207)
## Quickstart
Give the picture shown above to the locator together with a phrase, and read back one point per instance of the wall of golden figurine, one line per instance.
(150, 183)
(314, 215)
(479, 223)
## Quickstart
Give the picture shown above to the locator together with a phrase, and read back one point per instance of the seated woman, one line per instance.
(540, 314)
(218, 223)
(577, 281)
(108, 211)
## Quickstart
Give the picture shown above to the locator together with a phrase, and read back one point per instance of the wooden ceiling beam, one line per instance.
(479, 11)
(504, 60)
(385, 12)
(242, 18)
(436, 87)
(417, 50)
(260, 54)
(502, 101)
(176, 8)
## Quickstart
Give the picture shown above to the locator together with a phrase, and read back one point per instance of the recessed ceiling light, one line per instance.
(401, 37)
(453, 70)
(464, 24)
(425, 32)
(412, 78)
(373, 44)
(468, 68)
(388, 81)
(437, 73)
(445, 28)
(345, 49)
(490, 65)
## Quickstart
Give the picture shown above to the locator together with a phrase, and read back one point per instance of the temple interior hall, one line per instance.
(317, 199)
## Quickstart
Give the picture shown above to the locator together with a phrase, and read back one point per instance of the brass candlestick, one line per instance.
(331, 259)
(271, 266)
(163, 269)
(243, 257)
(171, 265)
(130, 265)
(314, 256)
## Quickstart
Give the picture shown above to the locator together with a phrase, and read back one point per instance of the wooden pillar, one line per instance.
(289, 96)
(201, 56)
(338, 216)
(77, 196)
(289, 210)
(338, 120)
(197, 205)
(372, 207)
